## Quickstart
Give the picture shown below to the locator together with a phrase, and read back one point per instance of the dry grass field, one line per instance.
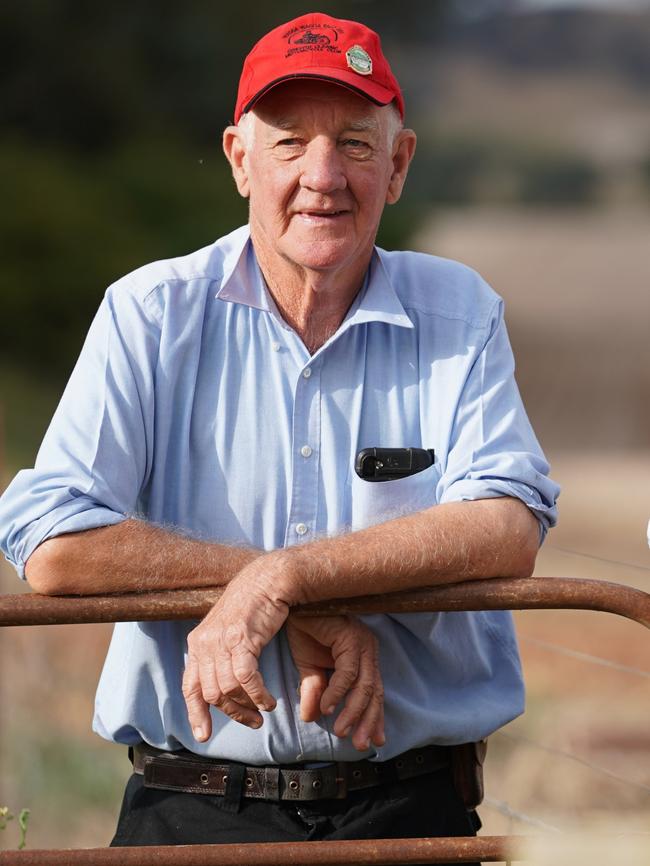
(578, 759)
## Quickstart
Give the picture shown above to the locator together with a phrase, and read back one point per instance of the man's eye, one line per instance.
(356, 146)
(289, 142)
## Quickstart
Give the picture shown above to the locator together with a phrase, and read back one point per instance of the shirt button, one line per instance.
(302, 529)
(306, 373)
(275, 347)
(305, 451)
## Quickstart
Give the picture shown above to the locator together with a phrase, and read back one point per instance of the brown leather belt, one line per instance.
(185, 771)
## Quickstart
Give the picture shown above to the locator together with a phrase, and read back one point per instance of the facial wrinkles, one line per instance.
(318, 163)
(320, 158)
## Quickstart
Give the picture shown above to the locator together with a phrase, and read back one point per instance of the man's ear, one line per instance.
(403, 150)
(234, 147)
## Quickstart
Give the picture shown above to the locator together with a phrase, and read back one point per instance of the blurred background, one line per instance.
(533, 166)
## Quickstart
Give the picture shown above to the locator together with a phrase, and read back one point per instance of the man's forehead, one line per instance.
(290, 121)
(285, 105)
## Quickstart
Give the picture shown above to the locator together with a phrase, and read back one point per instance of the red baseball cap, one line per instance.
(319, 46)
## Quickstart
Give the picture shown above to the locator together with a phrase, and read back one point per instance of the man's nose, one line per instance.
(322, 167)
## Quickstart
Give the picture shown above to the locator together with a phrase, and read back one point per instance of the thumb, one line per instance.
(198, 711)
(313, 682)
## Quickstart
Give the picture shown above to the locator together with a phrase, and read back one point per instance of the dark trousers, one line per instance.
(424, 806)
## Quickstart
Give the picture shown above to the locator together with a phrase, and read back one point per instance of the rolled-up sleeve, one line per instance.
(493, 450)
(96, 454)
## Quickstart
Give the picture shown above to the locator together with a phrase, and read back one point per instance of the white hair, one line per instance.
(247, 129)
(394, 125)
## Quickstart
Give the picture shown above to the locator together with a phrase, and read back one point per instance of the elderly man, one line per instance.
(208, 436)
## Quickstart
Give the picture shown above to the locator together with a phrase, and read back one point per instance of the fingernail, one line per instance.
(330, 710)
(199, 733)
(367, 745)
(346, 731)
(256, 723)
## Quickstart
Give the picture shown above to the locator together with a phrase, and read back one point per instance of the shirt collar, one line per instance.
(243, 283)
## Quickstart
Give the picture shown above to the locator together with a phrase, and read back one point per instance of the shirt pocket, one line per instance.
(377, 501)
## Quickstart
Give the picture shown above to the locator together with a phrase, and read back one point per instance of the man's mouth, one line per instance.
(319, 215)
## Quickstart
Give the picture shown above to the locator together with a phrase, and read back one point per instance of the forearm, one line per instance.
(132, 556)
(444, 544)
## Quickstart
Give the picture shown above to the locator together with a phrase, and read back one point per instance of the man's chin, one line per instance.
(322, 250)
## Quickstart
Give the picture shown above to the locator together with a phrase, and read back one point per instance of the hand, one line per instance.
(346, 645)
(224, 649)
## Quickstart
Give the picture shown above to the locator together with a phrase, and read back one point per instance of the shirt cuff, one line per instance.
(493, 488)
(66, 518)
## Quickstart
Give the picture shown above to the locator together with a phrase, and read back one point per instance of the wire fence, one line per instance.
(592, 556)
(571, 756)
(583, 656)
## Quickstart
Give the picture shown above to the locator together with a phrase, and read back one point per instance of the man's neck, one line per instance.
(313, 303)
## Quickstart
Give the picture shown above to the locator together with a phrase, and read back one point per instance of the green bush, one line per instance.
(71, 226)
(557, 179)
(645, 173)
(460, 169)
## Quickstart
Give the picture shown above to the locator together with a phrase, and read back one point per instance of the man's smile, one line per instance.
(320, 217)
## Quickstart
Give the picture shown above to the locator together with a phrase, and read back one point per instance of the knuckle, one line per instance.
(233, 636)
(213, 696)
(190, 689)
(231, 691)
(367, 690)
(238, 716)
(246, 673)
(345, 679)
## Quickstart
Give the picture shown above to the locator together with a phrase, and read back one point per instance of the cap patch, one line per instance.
(359, 60)
(312, 37)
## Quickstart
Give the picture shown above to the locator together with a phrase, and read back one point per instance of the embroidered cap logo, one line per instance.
(359, 60)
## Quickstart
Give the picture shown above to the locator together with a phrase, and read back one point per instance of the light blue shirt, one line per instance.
(194, 405)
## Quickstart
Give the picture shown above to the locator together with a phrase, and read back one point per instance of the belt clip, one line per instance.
(341, 780)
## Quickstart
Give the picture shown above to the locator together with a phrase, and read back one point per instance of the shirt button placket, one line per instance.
(306, 440)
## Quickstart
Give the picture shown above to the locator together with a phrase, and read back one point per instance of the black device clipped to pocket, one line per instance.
(388, 464)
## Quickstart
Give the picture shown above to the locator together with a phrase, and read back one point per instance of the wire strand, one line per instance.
(598, 558)
(507, 810)
(518, 738)
(585, 657)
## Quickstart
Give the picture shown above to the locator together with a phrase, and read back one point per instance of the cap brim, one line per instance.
(370, 89)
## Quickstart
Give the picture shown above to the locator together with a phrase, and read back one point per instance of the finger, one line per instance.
(198, 711)
(360, 695)
(247, 674)
(378, 736)
(357, 701)
(238, 713)
(346, 669)
(231, 688)
(312, 685)
(225, 693)
(370, 728)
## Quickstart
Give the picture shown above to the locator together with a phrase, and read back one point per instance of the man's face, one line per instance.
(318, 165)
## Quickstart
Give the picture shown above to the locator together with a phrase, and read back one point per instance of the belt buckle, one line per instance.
(341, 780)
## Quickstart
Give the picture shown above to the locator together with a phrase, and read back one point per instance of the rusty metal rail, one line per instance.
(378, 852)
(489, 594)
